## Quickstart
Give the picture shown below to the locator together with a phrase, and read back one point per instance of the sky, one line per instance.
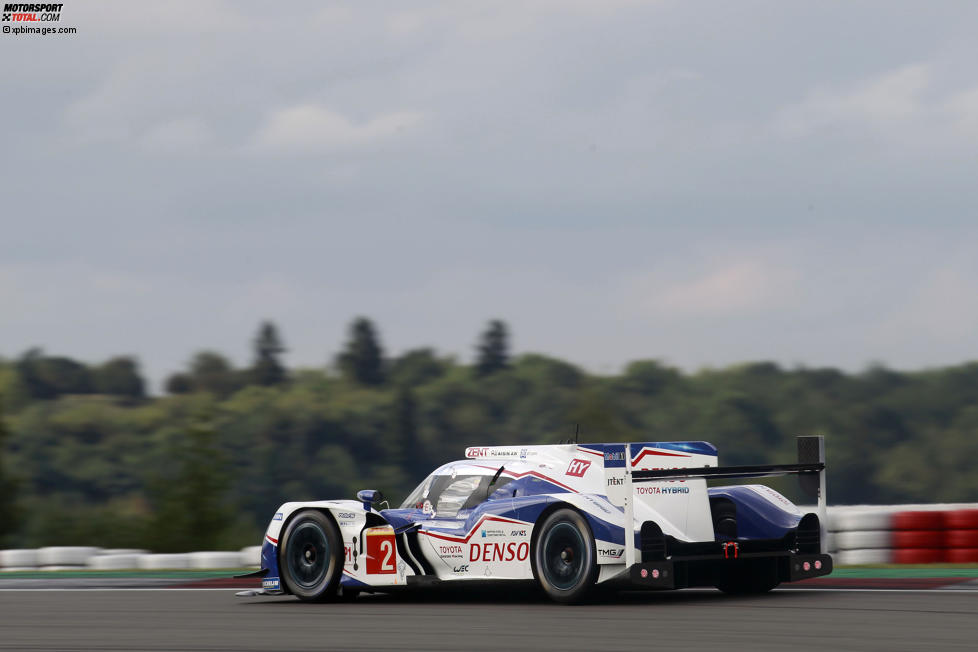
(703, 183)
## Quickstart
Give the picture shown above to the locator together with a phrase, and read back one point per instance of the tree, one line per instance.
(418, 366)
(211, 372)
(179, 383)
(405, 429)
(268, 370)
(120, 377)
(493, 349)
(192, 511)
(8, 488)
(362, 360)
(49, 377)
(648, 377)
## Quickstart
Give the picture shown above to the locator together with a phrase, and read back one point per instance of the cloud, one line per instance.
(309, 126)
(905, 105)
(494, 20)
(737, 287)
(614, 181)
(889, 99)
(941, 308)
(180, 134)
(962, 110)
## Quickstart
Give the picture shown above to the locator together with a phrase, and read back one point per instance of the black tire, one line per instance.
(749, 578)
(564, 557)
(310, 556)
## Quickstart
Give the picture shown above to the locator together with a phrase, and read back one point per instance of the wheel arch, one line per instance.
(547, 511)
(326, 511)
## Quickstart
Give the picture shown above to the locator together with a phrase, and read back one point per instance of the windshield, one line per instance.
(446, 494)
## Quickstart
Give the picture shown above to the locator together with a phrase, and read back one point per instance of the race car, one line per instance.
(568, 517)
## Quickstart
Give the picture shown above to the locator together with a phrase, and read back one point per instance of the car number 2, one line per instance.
(381, 553)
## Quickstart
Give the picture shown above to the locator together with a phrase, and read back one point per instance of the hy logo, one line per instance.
(577, 468)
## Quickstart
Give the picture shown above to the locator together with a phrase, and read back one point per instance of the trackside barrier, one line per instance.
(65, 556)
(18, 559)
(903, 534)
(857, 534)
(80, 557)
(201, 560)
(250, 556)
(163, 561)
(114, 562)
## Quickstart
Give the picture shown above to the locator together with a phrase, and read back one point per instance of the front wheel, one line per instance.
(310, 558)
(564, 557)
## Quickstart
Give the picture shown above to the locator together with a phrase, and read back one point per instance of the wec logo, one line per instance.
(577, 468)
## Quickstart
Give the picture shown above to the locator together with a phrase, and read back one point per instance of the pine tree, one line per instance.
(405, 429)
(493, 349)
(8, 488)
(268, 369)
(362, 361)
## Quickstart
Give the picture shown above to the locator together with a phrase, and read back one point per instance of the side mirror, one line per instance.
(368, 497)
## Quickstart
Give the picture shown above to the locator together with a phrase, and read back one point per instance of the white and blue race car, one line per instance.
(568, 517)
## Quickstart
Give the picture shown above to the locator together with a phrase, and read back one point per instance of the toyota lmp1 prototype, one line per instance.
(569, 517)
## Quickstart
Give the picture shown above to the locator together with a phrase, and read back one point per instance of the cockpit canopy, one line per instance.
(456, 487)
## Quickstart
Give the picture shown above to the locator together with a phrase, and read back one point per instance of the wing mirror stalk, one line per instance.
(368, 497)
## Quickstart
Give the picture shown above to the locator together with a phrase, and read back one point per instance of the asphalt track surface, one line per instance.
(789, 619)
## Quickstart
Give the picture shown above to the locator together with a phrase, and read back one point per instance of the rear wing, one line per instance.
(810, 470)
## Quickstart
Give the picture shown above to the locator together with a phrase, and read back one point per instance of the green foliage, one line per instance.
(268, 369)
(105, 469)
(212, 372)
(179, 383)
(417, 367)
(493, 349)
(189, 492)
(48, 377)
(408, 450)
(362, 360)
(9, 514)
(119, 377)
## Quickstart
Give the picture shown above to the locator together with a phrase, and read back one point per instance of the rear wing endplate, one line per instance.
(810, 470)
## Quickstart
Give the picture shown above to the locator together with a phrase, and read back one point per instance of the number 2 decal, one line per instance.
(381, 553)
(387, 547)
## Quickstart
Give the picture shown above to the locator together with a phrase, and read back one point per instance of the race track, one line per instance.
(168, 619)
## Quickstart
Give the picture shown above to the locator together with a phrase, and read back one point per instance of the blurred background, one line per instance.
(252, 253)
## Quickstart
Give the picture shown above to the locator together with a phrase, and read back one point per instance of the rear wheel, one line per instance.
(564, 557)
(310, 559)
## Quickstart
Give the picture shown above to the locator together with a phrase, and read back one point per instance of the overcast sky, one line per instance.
(705, 183)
